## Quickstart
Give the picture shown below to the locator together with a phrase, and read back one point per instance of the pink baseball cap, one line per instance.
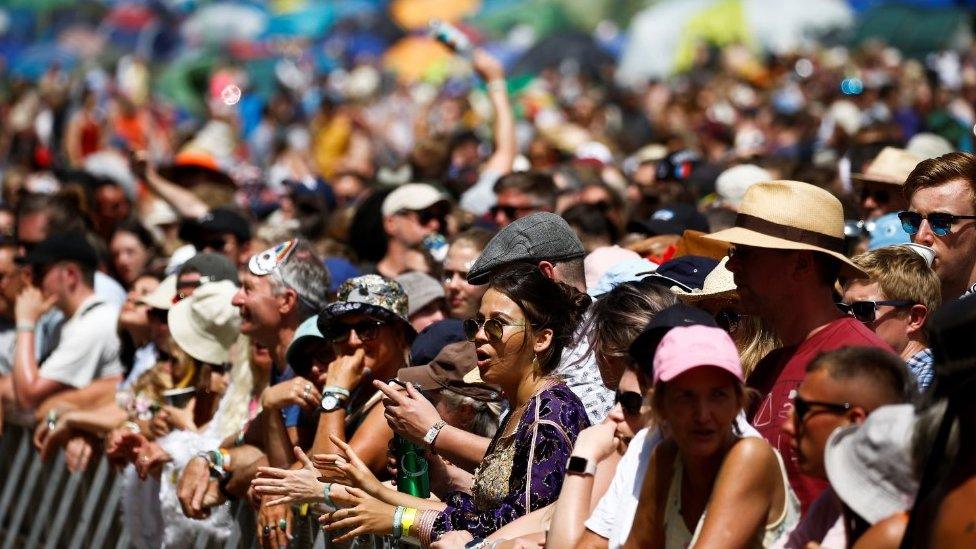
(688, 347)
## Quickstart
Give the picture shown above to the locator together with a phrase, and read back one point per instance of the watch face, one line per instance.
(330, 402)
(576, 464)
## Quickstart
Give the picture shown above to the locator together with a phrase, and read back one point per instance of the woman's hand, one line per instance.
(178, 419)
(487, 66)
(346, 371)
(455, 539)
(408, 413)
(347, 469)
(597, 442)
(192, 488)
(274, 525)
(296, 390)
(77, 453)
(280, 486)
(150, 460)
(159, 425)
(360, 514)
(123, 445)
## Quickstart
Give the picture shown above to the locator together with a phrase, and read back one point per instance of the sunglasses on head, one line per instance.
(366, 330)
(630, 401)
(867, 311)
(941, 222)
(494, 328)
(802, 407)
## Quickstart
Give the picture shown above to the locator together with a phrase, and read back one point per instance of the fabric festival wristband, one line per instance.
(25, 328)
(409, 515)
(397, 517)
(327, 494)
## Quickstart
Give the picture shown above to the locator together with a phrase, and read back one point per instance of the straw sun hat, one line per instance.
(892, 166)
(790, 215)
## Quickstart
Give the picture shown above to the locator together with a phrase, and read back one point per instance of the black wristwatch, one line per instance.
(580, 466)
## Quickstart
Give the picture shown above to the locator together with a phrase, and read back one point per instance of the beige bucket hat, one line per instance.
(791, 215)
(206, 325)
(891, 167)
(164, 294)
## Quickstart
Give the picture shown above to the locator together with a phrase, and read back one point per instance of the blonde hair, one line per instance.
(755, 339)
(901, 273)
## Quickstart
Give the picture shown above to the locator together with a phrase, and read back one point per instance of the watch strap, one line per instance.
(432, 433)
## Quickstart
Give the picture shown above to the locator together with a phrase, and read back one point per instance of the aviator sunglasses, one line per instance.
(941, 222)
(494, 328)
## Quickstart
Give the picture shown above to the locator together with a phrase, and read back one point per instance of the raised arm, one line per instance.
(503, 129)
(186, 204)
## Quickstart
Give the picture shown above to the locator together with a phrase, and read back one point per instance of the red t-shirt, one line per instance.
(780, 372)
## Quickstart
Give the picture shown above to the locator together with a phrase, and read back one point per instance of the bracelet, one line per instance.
(335, 391)
(327, 495)
(397, 517)
(497, 84)
(476, 543)
(225, 457)
(25, 328)
(406, 522)
(432, 433)
(52, 418)
(132, 426)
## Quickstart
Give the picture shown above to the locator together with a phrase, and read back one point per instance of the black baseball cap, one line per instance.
(680, 314)
(219, 220)
(432, 339)
(687, 272)
(63, 247)
(673, 219)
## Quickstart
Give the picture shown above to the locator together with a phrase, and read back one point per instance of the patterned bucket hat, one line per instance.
(372, 295)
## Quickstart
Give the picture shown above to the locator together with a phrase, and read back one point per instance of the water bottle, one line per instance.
(412, 475)
(451, 36)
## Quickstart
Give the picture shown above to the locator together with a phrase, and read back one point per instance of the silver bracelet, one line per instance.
(397, 521)
(432, 433)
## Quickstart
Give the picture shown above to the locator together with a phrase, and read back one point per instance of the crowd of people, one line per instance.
(729, 309)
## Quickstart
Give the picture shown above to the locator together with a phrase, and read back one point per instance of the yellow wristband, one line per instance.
(409, 515)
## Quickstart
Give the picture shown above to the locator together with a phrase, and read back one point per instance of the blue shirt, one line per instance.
(920, 365)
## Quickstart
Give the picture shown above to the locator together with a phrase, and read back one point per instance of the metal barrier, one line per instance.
(43, 505)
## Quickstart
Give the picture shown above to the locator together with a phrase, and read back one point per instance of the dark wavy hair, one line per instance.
(546, 304)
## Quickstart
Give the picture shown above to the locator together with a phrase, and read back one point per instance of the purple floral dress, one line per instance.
(520, 473)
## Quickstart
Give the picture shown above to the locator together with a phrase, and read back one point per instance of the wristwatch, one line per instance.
(432, 433)
(333, 397)
(580, 466)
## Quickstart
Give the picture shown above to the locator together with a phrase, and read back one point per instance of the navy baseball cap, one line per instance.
(687, 272)
(433, 338)
(680, 314)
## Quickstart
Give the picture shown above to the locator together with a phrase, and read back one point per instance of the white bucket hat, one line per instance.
(206, 325)
(870, 465)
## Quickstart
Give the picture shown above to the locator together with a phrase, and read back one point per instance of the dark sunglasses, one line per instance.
(494, 328)
(630, 402)
(941, 222)
(881, 196)
(159, 315)
(802, 407)
(430, 214)
(511, 212)
(366, 330)
(867, 311)
(728, 320)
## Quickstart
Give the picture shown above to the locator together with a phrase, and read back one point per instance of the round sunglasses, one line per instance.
(494, 328)
(941, 222)
(630, 401)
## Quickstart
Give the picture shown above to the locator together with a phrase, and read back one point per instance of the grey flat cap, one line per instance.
(421, 290)
(542, 236)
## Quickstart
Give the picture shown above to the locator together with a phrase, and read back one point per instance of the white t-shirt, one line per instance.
(87, 347)
(614, 515)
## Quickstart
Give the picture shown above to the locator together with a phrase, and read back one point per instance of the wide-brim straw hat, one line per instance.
(891, 167)
(791, 215)
(719, 286)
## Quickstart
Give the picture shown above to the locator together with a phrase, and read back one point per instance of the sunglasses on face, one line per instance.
(941, 222)
(494, 328)
(867, 311)
(802, 408)
(366, 330)
(510, 212)
(630, 401)
(728, 320)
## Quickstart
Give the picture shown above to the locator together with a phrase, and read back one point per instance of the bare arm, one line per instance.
(747, 491)
(186, 204)
(535, 522)
(99, 395)
(461, 447)
(506, 145)
(30, 389)
(97, 421)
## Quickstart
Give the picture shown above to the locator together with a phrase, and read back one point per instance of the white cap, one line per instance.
(206, 324)
(731, 184)
(929, 145)
(412, 196)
